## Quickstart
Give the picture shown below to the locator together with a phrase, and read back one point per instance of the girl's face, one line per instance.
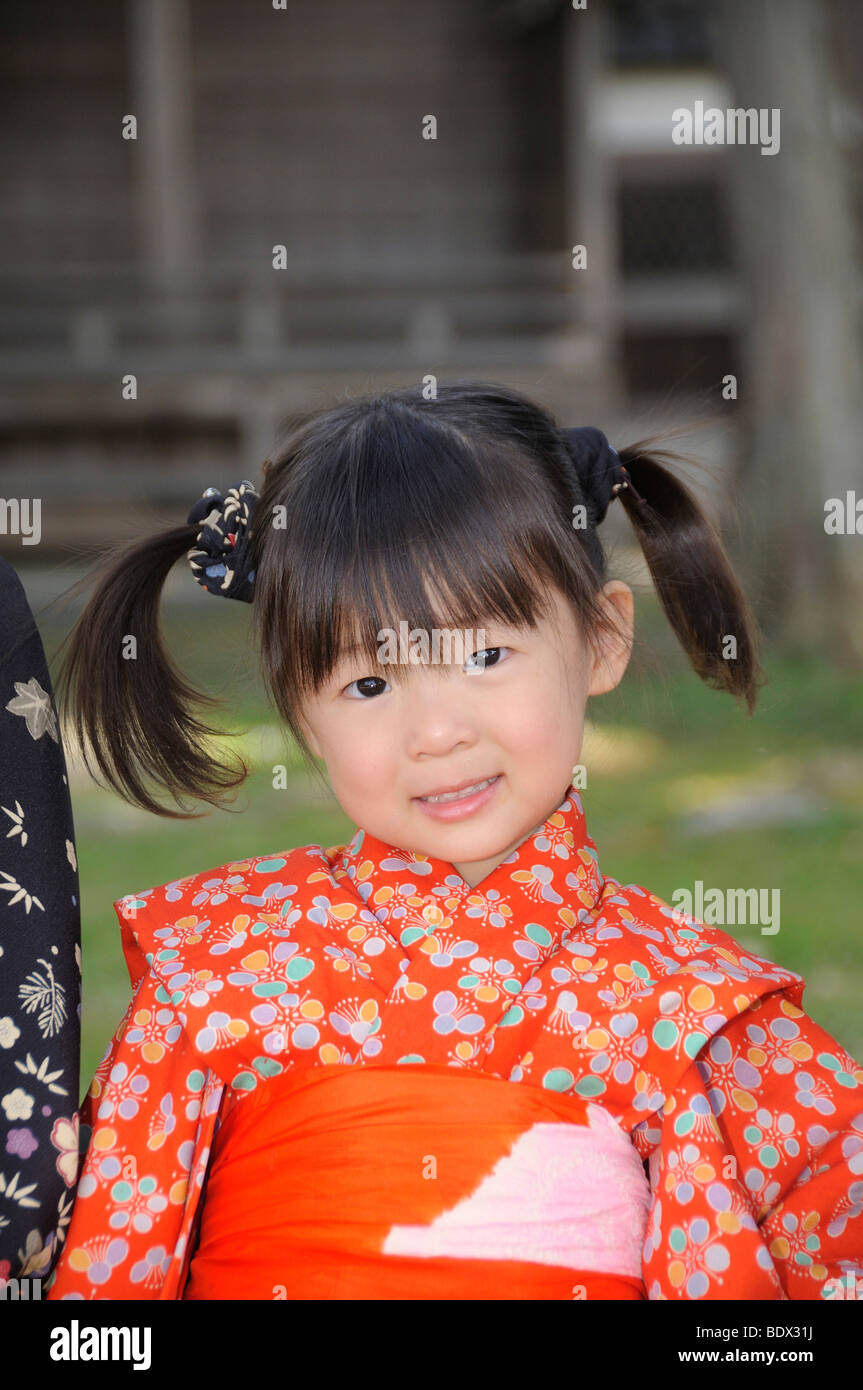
(515, 714)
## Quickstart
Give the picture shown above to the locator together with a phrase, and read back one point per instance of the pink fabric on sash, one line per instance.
(567, 1195)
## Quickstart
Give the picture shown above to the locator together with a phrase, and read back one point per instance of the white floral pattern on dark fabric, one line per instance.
(40, 954)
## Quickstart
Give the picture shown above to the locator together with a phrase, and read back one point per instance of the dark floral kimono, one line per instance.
(40, 965)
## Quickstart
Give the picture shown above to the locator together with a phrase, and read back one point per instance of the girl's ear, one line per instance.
(613, 647)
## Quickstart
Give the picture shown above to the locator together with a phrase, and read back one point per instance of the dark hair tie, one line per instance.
(220, 557)
(600, 473)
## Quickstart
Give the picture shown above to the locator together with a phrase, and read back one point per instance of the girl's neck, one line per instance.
(473, 874)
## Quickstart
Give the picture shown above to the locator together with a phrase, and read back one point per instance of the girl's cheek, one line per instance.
(533, 714)
(360, 757)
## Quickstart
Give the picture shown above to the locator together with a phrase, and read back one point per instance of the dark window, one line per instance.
(660, 32)
(673, 226)
(684, 362)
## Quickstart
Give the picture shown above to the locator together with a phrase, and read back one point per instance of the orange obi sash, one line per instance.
(419, 1182)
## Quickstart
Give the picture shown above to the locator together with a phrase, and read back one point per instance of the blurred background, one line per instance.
(721, 296)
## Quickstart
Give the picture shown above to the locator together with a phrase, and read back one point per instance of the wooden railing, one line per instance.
(315, 318)
(522, 309)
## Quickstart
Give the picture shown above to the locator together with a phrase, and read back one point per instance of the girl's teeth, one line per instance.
(466, 791)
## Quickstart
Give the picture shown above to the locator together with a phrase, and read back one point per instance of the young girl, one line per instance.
(452, 1058)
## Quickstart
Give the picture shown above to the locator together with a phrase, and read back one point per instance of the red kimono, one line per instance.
(399, 1086)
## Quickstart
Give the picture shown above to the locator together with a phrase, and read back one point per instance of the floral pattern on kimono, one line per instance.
(747, 1114)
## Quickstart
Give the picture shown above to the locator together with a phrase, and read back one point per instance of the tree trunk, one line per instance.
(802, 382)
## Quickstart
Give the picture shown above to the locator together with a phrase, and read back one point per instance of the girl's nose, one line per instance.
(438, 719)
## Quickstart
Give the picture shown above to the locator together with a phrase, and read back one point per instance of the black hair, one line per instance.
(446, 512)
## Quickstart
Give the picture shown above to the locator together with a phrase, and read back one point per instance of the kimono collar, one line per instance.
(556, 865)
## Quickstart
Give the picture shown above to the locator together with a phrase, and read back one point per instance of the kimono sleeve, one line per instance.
(757, 1178)
(152, 1111)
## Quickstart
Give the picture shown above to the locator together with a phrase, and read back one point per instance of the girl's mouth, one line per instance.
(454, 805)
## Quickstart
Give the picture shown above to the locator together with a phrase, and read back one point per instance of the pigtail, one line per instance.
(135, 717)
(694, 580)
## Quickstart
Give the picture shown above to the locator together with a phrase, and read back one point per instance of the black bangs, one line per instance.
(395, 516)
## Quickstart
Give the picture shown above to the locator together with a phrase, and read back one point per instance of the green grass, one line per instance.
(808, 718)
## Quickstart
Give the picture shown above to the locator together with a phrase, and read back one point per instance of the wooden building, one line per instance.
(305, 127)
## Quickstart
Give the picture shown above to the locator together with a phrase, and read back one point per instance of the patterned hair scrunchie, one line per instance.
(600, 473)
(220, 557)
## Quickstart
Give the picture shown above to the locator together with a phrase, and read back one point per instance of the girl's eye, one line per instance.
(363, 692)
(489, 656)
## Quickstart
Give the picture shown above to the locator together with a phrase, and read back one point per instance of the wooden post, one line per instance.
(590, 219)
(161, 101)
